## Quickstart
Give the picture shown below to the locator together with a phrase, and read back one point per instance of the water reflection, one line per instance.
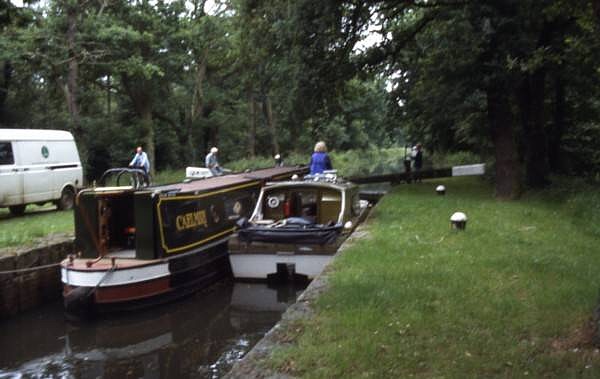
(200, 337)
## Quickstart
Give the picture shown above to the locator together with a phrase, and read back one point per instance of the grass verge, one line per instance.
(512, 296)
(38, 222)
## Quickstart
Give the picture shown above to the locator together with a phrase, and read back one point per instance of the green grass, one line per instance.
(36, 223)
(510, 297)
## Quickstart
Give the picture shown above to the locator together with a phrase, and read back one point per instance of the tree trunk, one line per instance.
(531, 106)
(503, 136)
(268, 112)
(147, 123)
(252, 129)
(197, 106)
(558, 126)
(73, 71)
(6, 77)
(137, 90)
(108, 100)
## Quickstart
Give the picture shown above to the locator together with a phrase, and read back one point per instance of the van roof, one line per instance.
(34, 135)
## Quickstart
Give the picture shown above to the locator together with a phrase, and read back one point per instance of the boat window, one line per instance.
(273, 205)
(308, 205)
(331, 206)
(6, 153)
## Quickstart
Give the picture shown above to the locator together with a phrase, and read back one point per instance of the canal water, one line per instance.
(199, 337)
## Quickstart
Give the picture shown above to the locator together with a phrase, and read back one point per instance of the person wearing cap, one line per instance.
(320, 161)
(212, 163)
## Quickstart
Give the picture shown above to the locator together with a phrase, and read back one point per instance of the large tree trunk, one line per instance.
(503, 136)
(4, 84)
(252, 129)
(73, 71)
(197, 106)
(137, 90)
(532, 95)
(558, 125)
(147, 123)
(268, 112)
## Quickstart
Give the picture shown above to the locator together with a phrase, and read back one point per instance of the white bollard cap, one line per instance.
(458, 217)
(440, 188)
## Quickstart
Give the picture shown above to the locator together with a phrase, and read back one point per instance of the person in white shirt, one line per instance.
(140, 160)
(212, 163)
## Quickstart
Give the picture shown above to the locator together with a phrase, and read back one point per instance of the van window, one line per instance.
(6, 153)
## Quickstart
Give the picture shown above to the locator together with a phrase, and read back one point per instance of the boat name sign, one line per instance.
(191, 220)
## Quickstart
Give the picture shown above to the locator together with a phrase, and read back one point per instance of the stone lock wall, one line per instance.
(23, 290)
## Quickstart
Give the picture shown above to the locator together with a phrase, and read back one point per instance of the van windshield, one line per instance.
(6, 153)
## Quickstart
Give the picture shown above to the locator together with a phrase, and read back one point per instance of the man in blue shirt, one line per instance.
(140, 160)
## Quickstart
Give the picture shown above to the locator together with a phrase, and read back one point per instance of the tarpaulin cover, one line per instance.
(315, 234)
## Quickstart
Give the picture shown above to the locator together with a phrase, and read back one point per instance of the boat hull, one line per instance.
(127, 286)
(263, 266)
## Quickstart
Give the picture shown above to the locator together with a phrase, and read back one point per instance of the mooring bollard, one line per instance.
(458, 221)
(441, 190)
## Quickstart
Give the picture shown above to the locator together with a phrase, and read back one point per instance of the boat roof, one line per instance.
(228, 180)
(339, 186)
(34, 135)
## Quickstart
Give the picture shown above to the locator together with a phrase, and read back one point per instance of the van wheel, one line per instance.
(67, 198)
(17, 210)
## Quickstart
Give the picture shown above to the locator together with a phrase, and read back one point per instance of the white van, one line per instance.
(37, 166)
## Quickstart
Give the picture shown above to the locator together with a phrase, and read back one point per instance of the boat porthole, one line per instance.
(273, 202)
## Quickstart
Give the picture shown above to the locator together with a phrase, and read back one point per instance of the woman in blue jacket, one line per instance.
(320, 161)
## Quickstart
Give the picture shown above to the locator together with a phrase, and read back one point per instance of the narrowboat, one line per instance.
(139, 246)
(295, 228)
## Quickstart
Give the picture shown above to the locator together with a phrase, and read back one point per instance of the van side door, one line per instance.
(37, 177)
(11, 176)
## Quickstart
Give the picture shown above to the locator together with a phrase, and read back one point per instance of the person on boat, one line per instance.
(212, 163)
(320, 161)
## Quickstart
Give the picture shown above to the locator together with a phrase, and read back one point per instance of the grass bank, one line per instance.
(37, 222)
(512, 296)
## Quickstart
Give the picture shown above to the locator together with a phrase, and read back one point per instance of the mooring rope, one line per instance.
(28, 269)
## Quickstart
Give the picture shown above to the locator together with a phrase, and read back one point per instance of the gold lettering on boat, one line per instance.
(191, 220)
